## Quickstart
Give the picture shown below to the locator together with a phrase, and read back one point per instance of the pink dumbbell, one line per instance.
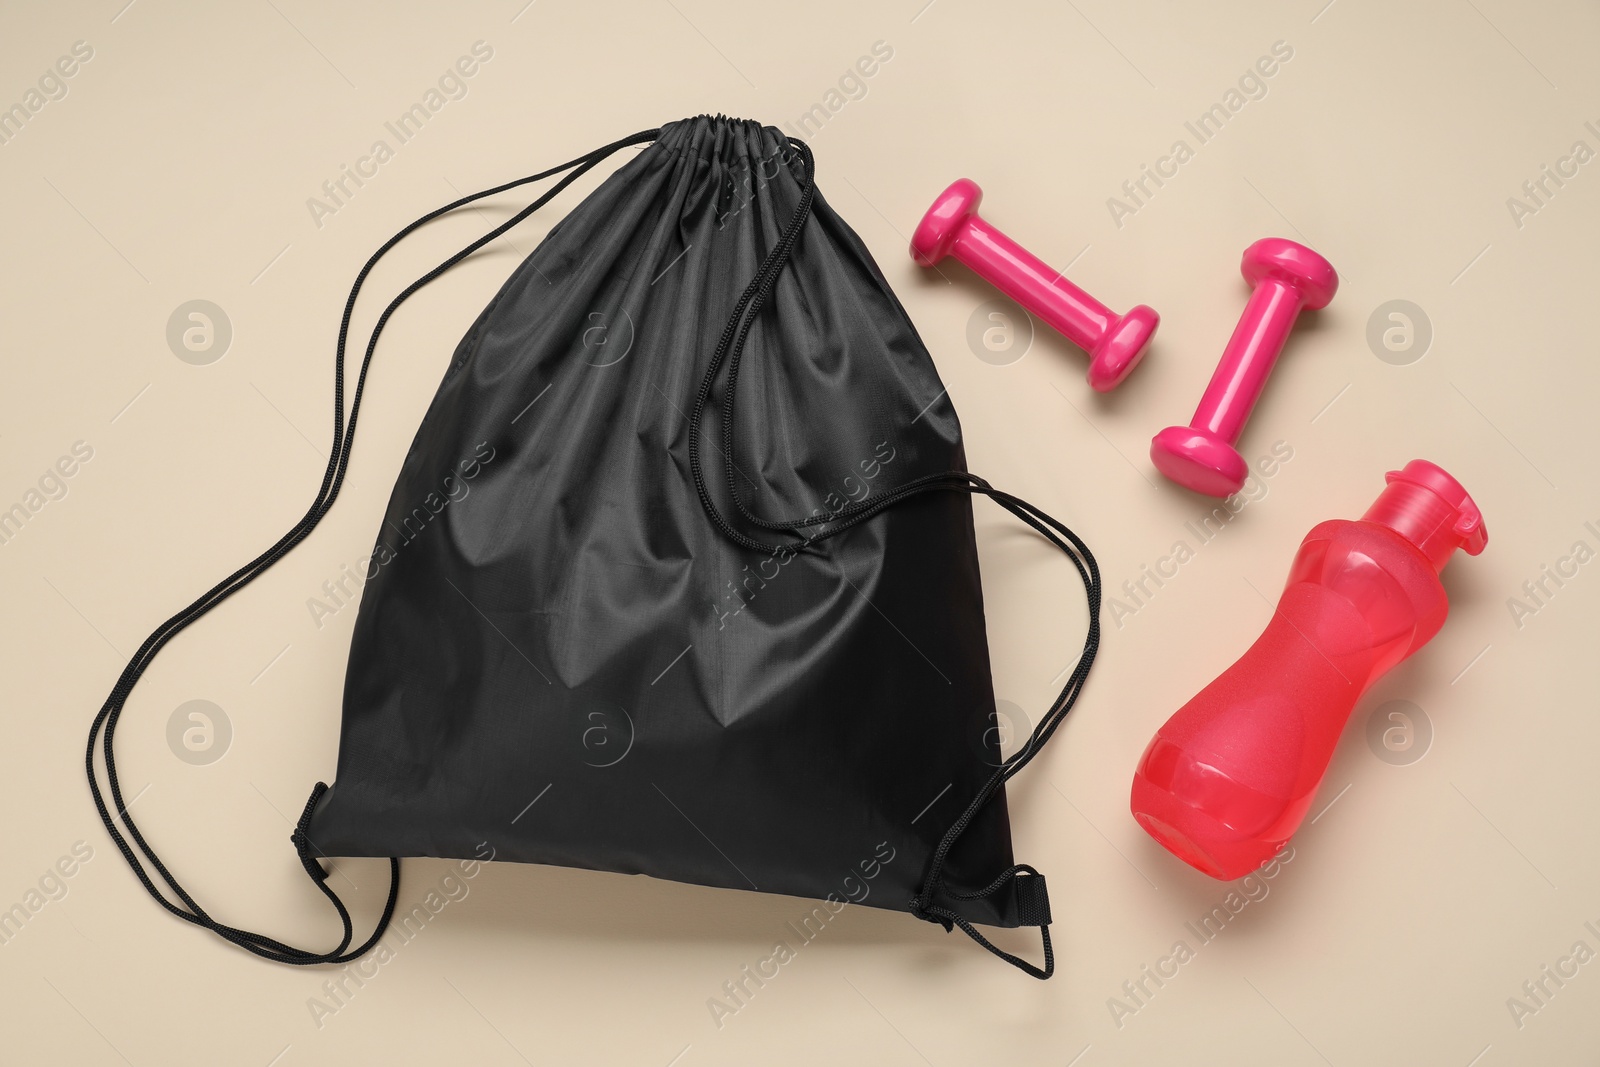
(952, 227)
(1287, 277)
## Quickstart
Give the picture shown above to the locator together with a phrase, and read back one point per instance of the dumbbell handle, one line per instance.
(1248, 359)
(1030, 282)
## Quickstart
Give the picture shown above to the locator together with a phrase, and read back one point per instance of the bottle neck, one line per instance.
(1421, 517)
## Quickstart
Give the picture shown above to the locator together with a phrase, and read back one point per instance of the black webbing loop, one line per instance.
(103, 730)
(949, 919)
(1033, 905)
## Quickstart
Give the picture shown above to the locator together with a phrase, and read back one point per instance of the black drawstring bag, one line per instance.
(678, 577)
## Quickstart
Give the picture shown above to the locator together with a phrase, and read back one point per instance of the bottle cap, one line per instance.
(1429, 508)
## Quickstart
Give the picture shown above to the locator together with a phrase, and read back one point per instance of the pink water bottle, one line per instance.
(1230, 776)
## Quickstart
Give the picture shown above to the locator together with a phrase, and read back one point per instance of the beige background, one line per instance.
(178, 167)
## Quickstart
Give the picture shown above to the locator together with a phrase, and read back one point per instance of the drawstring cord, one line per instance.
(103, 730)
(1033, 904)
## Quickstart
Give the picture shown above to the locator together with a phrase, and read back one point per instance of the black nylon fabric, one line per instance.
(559, 656)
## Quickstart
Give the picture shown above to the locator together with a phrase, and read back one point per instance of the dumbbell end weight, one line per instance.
(1121, 349)
(1282, 260)
(1199, 460)
(943, 223)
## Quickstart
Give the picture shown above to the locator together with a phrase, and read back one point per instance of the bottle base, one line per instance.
(1197, 838)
